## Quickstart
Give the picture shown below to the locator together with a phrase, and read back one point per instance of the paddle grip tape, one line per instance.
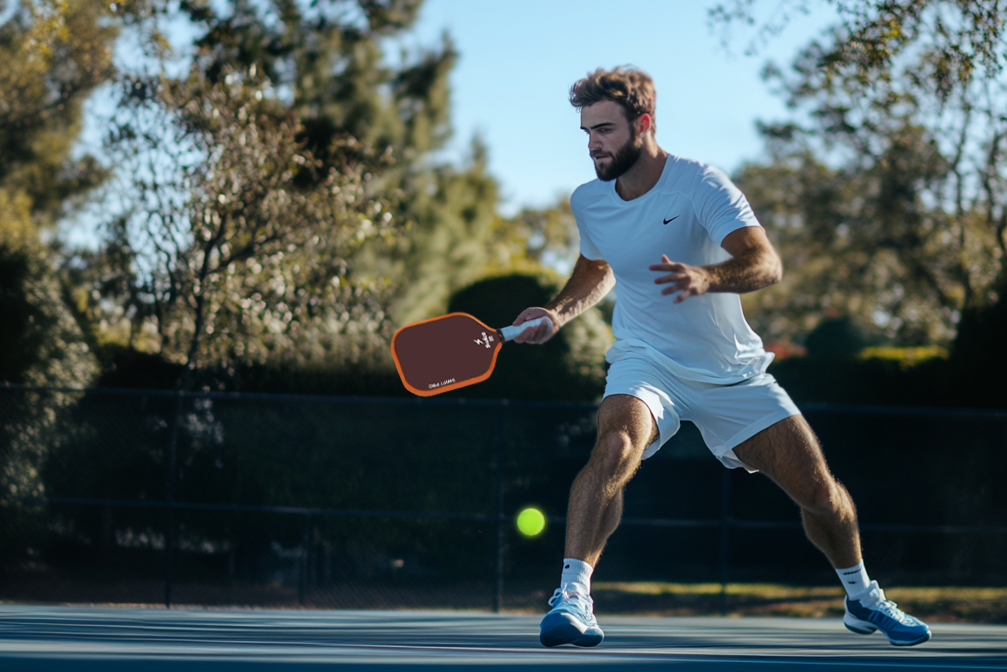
(510, 333)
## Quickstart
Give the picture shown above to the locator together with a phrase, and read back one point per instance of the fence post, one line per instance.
(169, 532)
(725, 535)
(302, 574)
(499, 491)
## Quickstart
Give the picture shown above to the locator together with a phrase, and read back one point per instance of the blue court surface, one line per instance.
(67, 638)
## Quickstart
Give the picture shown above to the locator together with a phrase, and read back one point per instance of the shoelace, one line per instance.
(557, 595)
(890, 609)
(560, 593)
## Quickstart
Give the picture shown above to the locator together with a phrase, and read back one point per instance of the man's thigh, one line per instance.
(788, 452)
(729, 415)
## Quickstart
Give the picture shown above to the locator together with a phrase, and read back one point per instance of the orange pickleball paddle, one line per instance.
(448, 352)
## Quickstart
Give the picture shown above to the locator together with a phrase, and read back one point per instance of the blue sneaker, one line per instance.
(571, 620)
(874, 612)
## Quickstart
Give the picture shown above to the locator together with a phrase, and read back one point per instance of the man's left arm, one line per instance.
(753, 265)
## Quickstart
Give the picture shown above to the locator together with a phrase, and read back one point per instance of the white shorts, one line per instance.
(726, 415)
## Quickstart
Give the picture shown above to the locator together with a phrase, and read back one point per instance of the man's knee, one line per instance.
(616, 453)
(825, 497)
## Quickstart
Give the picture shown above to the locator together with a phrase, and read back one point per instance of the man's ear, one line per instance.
(643, 123)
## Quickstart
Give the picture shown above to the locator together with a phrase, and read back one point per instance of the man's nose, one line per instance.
(593, 142)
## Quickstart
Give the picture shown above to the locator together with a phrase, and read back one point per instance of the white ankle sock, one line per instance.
(579, 573)
(855, 580)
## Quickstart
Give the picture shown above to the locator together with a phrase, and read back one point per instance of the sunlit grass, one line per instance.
(936, 603)
(906, 357)
(752, 589)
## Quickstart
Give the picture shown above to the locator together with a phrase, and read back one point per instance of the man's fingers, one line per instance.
(671, 277)
(668, 266)
(525, 335)
(682, 285)
(535, 335)
(671, 290)
(527, 315)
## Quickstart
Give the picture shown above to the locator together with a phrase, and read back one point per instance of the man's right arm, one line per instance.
(589, 282)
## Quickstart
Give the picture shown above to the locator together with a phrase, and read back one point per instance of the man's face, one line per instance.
(612, 141)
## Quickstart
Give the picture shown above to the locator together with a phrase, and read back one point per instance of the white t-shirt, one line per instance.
(686, 216)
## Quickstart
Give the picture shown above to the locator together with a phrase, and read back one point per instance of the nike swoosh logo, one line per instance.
(672, 219)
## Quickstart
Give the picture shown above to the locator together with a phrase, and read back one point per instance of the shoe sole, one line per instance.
(558, 629)
(864, 628)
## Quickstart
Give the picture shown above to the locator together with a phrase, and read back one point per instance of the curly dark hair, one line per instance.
(631, 88)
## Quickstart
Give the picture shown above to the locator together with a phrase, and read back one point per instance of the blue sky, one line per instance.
(519, 58)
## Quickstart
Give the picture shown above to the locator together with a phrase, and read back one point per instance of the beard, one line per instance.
(622, 161)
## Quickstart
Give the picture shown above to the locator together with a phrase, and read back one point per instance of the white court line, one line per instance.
(609, 655)
(681, 658)
(188, 648)
(589, 658)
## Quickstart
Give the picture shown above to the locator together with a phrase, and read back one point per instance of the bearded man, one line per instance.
(682, 243)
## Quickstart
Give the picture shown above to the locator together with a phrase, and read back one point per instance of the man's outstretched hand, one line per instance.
(542, 332)
(689, 280)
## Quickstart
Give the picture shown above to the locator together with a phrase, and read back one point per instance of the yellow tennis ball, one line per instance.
(530, 522)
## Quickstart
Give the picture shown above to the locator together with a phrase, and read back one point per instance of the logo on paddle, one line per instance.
(485, 340)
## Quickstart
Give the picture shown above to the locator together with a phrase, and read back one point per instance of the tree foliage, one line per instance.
(332, 60)
(42, 345)
(273, 201)
(236, 234)
(306, 217)
(451, 215)
(886, 189)
(536, 239)
(52, 55)
(956, 42)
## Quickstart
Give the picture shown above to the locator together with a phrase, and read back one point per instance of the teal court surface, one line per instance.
(42, 638)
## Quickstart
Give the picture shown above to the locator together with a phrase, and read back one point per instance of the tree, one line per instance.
(52, 55)
(241, 232)
(889, 186)
(307, 85)
(865, 239)
(958, 42)
(535, 239)
(41, 342)
(347, 117)
(451, 215)
(239, 208)
(42, 346)
(332, 60)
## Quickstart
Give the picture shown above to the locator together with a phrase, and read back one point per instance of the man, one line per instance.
(682, 243)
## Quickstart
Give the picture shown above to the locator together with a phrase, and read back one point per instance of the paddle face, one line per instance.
(445, 353)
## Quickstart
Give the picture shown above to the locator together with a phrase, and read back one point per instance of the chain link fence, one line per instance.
(147, 497)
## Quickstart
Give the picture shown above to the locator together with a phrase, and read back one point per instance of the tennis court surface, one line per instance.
(68, 638)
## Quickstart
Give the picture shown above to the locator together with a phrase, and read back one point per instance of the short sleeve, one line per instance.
(720, 206)
(587, 247)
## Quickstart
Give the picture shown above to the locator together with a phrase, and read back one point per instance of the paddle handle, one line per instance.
(510, 333)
